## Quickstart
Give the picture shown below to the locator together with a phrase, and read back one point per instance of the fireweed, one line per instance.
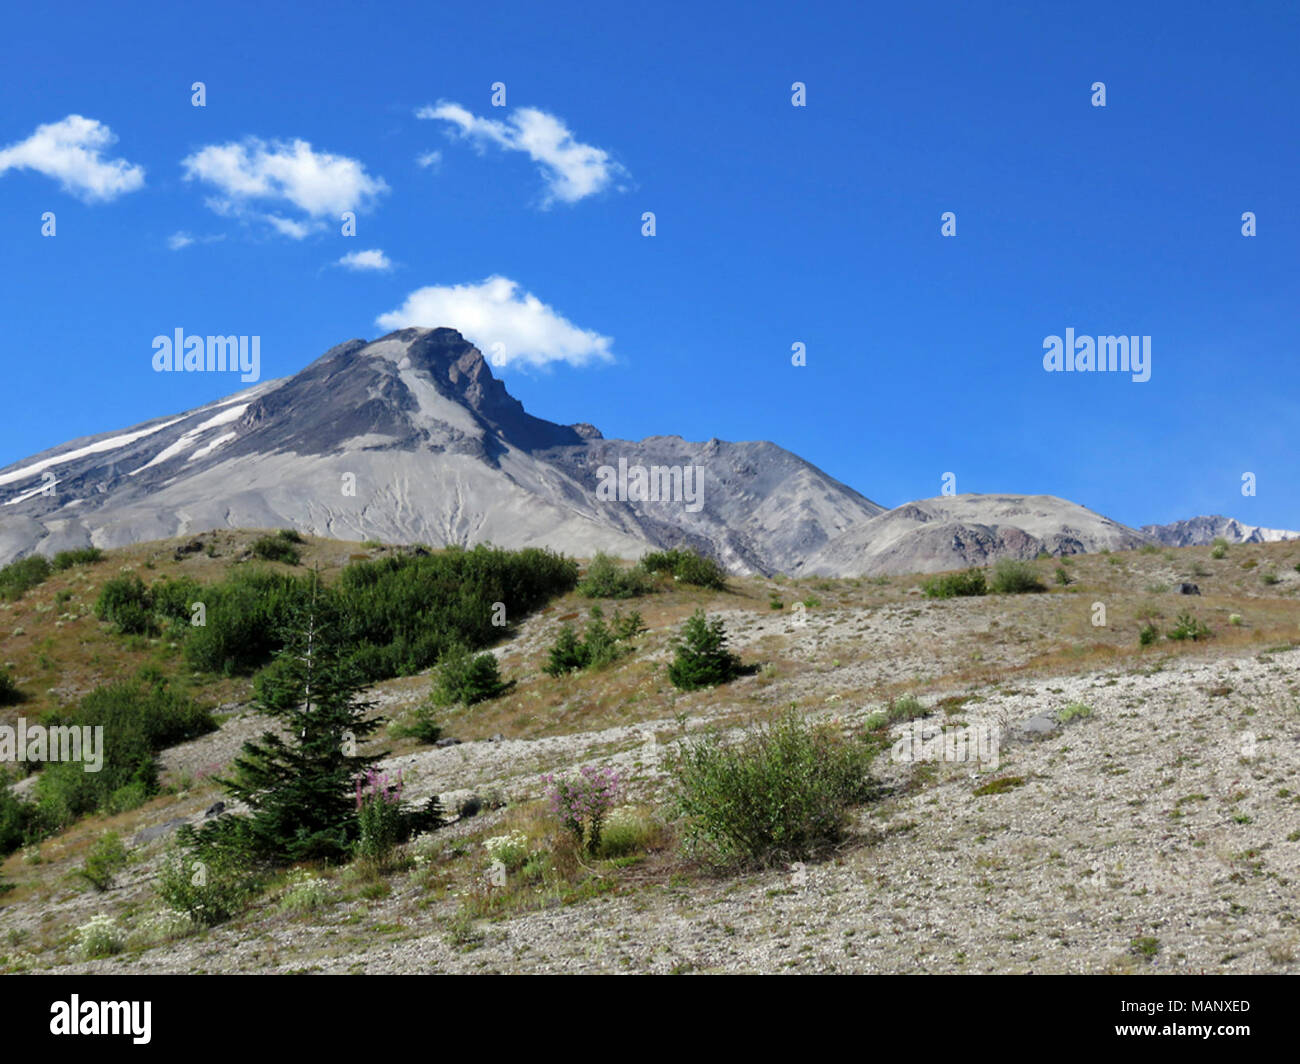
(583, 802)
(379, 814)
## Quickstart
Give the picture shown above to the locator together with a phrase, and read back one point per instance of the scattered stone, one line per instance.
(497, 738)
(216, 809)
(1188, 589)
(157, 831)
(447, 742)
(471, 806)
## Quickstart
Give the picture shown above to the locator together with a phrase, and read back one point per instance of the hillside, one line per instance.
(1159, 832)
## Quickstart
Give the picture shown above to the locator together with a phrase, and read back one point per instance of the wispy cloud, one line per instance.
(71, 151)
(374, 259)
(318, 184)
(183, 239)
(507, 324)
(430, 160)
(572, 170)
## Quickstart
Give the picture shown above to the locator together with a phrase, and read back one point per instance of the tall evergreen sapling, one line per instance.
(702, 658)
(300, 789)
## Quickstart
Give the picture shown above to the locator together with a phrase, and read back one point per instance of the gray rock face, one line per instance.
(410, 438)
(1198, 531)
(955, 531)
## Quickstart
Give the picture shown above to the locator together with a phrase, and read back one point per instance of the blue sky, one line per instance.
(775, 224)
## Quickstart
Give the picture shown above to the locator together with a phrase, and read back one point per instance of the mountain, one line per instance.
(1197, 531)
(954, 531)
(410, 438)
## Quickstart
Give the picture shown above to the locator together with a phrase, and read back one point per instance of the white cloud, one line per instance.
(374, 259)
(430, 160)
(572, 170)
(71, 151)
(318, 184)
(496, 312)
(183, 239)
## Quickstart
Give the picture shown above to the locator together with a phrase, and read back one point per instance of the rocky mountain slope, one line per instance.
(1197, 531)
(410, 438)
(953, 531)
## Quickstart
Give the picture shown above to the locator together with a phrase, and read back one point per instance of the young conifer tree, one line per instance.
(299, 784)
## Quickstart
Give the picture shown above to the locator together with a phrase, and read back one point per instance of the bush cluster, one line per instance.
(952, 585)
(779, 794)
(17, 578)
(605, 578)
(687, 566)
(600, 644)
(1015, 578)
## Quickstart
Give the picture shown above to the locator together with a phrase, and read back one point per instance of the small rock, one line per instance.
(1039, 726)
(216, 809)
(1188, 589)
(497, 738)
(471, 806)
(447, 742)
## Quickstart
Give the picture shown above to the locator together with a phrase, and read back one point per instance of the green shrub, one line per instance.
(127, 603)
(104, 860)
(701, 656)
(1189, 627)
(466, 678)
(18, 819)
(1148, 634)
(779, 794)
(687, 567)
(276, 549)
(1074, 711)
(1269, 579)
(606, 579)
(66, 559)
(1062, 577)
(17, 578)
(600, 644)
(1220, 549)
(210, 884)
(379, 818)
(1015, 578)
(137, 722)
(290, 535)
(9, 693)
(951, 585)
(304, 891)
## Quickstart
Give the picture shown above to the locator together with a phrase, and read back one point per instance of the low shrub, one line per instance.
(466, 678)
(379, 814)
(779, 794)
(1015, 578)
(17, 578)
(304, 891)
(952, 585)
(103, 862)
(605, 578)
(127, 603)
(601, 643)
(687, 567)
(276, 549)
(209, 884)
(1189, 627)
(9, 693)
(1148, 634)
(66, 559)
